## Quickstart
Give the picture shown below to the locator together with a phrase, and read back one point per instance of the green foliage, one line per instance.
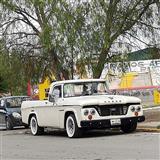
(3, 86)
(53, 36)
(12, 75)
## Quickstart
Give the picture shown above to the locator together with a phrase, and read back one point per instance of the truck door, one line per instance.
(51, 109)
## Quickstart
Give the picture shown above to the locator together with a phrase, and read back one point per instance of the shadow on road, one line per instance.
(87, 134)
(61, 133)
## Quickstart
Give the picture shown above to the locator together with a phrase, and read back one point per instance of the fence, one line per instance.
(141, 80)
(148, 95)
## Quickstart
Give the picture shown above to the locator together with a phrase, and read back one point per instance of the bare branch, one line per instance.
(129, 22)
(148, 25)
(138, 39)
(27, 21)
(29, 15)
(38, 16)
(25, 33)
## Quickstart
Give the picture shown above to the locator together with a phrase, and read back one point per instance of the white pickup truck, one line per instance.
(78, 105)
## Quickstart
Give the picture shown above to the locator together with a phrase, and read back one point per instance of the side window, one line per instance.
(57, 92)
(68, 90)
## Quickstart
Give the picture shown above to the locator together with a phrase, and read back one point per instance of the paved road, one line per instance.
(19, 144)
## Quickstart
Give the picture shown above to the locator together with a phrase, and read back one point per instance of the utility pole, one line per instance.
(150, 75)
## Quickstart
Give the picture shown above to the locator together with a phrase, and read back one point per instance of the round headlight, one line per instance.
(16, 115)
(86, 112)
(138, 109)
(92, 112)
(133, 109)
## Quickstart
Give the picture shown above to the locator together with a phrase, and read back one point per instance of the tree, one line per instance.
(60, 32)
(3, 85)
(120, 21)
(45, 29)
(12, 75)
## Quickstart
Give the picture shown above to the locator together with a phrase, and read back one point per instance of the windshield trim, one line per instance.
(106, 92)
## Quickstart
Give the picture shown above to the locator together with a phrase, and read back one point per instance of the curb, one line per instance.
(151, 108)
(141, 129)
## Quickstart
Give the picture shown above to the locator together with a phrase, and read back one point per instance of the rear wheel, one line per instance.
(35, 129)
(130, 127)
(72, 127)
(9, 125)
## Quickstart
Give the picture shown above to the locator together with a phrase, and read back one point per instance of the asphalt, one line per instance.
(96, 145)
(2, 127)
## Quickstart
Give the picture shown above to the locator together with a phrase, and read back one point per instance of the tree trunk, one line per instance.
(98, 68)
(57, 67)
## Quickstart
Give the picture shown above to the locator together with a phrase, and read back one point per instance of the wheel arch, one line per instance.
(10, 121)
(67, 113)
(30, 116)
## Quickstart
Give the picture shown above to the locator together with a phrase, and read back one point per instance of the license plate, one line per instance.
(115, 122)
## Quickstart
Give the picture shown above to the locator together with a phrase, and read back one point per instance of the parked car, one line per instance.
(78, 105)
(10, 111)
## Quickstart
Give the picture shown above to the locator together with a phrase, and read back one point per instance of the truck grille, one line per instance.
(112, 110)
(109, 110)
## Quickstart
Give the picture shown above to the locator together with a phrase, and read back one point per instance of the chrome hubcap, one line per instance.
(70, 126)
(7, 124)
(33, 125)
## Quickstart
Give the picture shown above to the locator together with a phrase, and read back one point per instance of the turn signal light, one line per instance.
(136, 114)
(89, 117)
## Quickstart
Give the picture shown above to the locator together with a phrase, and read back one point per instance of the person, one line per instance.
(85, 90)
(94, 89)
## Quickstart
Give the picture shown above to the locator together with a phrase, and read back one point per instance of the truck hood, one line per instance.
(100, 100)
(84, 101)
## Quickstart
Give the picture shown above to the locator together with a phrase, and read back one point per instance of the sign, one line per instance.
(152, 67)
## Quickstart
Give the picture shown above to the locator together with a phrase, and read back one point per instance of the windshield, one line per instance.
(15, 102)
(85, 88)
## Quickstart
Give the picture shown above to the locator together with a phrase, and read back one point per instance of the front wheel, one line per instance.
(72, 127)
(35, 129)
(9, 125)
(128, 128)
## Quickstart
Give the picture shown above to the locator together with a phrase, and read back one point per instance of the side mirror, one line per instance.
(51, 98)
(2, 104)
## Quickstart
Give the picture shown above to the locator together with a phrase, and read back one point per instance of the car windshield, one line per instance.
(15, 102)
(85, 88)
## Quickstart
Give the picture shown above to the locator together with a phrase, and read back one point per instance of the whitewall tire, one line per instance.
(35, 129)
(72, 127)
